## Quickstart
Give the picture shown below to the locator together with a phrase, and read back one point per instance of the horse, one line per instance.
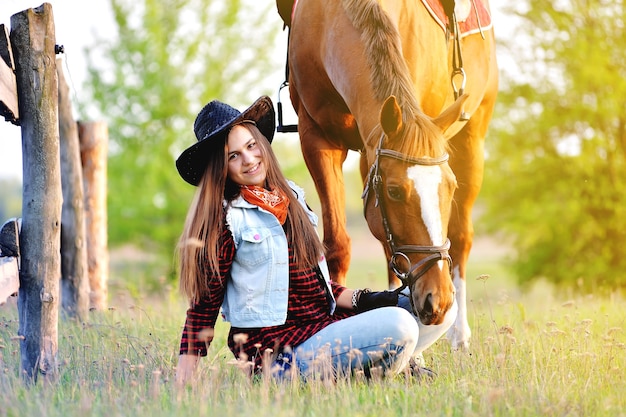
(378, 77)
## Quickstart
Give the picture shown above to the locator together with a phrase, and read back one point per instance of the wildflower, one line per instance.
(506, 330)
(377, 373)
(354, 353)
(376, 356)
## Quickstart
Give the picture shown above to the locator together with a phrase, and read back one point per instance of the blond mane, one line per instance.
(390, 76)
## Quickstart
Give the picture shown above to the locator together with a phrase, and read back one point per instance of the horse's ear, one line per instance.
(451, 114)
(391, 117)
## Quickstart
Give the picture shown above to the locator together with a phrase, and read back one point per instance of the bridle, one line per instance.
(433, 254)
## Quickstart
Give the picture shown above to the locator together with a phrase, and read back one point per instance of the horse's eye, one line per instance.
(394, 192)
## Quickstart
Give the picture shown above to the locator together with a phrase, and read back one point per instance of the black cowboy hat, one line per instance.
(215, 120)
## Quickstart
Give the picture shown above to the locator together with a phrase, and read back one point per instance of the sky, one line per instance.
(77, 22)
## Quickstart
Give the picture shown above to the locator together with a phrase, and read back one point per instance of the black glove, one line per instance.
(367, 300)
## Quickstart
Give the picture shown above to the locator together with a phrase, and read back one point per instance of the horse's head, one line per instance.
(408, 198)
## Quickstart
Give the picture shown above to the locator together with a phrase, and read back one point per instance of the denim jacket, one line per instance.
(258, 287)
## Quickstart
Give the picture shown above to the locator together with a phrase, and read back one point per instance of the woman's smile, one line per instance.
(253, 170)
(245, 159)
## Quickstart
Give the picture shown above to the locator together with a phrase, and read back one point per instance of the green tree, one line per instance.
(556, 168)
(167, 59)
(10, 199)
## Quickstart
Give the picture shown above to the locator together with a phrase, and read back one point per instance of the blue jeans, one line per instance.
(385, 338)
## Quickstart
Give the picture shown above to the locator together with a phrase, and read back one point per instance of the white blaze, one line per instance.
(426, 180)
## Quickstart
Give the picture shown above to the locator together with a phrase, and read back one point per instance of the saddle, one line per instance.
(472, 16)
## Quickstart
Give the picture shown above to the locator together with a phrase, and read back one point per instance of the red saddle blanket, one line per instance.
(478, 18)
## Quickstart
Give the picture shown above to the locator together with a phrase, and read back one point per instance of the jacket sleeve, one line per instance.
(337, 289)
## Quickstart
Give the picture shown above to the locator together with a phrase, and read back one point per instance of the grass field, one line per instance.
(533, 353)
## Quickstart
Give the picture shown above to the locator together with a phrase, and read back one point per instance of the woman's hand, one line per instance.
(366, 300)
(186, 368)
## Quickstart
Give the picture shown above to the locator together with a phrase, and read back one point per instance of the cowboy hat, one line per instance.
(214, 121)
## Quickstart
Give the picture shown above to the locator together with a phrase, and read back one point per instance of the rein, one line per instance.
(434, 253)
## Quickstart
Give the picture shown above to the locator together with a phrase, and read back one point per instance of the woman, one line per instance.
(249, 246)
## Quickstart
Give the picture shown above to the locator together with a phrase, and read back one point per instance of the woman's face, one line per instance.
(246, 165)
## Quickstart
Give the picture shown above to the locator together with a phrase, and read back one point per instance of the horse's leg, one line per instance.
(468, 168)
(467, 160)
(325, 161)
(467, 163)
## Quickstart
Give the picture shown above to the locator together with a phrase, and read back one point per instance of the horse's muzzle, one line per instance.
(430, 314)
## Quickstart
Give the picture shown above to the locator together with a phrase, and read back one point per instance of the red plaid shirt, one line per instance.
(308, 311)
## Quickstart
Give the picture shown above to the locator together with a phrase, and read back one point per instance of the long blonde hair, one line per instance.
(199, 243)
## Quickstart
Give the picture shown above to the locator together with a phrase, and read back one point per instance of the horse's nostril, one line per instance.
(427, 315)
(428, 305)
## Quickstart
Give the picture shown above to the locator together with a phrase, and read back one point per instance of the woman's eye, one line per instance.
(252, 145)
(394, 192)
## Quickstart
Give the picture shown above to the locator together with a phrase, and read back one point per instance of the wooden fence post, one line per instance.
(74, 273)
(33, 40)
(93, 138)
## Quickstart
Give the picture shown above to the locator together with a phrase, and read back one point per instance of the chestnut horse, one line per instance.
(375, 76)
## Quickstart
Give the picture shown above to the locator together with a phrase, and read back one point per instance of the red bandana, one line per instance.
(275, 201)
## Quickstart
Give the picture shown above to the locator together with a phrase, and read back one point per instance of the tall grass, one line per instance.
(532, 353)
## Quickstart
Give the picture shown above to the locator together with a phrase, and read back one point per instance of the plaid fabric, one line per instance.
(307, 313)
